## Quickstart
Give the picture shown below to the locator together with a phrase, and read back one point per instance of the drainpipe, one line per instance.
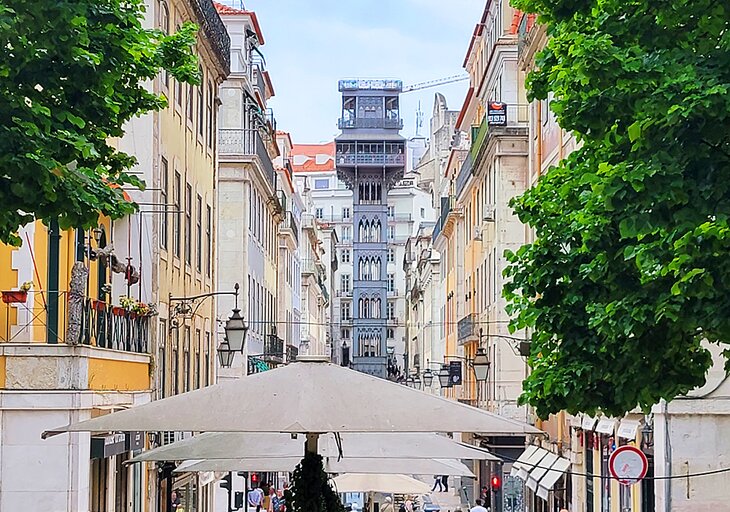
(54, 240)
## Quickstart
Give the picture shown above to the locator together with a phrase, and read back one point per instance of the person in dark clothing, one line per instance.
(445, 482)
(437, 482)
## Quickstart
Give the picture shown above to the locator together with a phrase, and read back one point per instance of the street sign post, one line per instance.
(628, 465)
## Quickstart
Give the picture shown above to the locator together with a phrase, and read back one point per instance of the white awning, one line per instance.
(539, 471)
(520, 462)
(627, 429)
(534, 460)
(387, 484)
(606, 426)
(588, 423)
(547, 482)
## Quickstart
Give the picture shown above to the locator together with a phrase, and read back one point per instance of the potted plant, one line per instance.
(17, 296)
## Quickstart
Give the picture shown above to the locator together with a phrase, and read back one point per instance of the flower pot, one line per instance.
(14, 296)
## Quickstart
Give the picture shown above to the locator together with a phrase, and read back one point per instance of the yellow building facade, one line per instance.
(87, 324)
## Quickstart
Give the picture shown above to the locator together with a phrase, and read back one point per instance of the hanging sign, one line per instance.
(628, 465)
(455, 373)
(497, 113)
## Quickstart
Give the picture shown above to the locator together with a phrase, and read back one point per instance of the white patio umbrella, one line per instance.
(449, 467)
(380, 445)
(311, 397)
(386, 484)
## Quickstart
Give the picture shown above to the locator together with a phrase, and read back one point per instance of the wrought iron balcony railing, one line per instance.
(246, 143)
(273, 349)
(114, 327)
(467, 329)
(370, 122)
(371, 159)
(291, 353)
(214, 29)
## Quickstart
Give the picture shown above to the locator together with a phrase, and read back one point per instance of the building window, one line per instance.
(176, 364)
(391, 232)
(391, 310)
(206, 359)
(199, 234)
(321, 184)
(190, 103)
(208, 239)
(391, 333)
(319, 213)
(391, 282)
(162, 360)
(423, 212)
(209, 108)
(177, 200)
(345, 311)
(165, 27)
(345, 213)
(345, 334)
(188, 223)
(391, 212)
(186, 361)
(201, 107)
(345, 256)
(196, 361)
(164, 186)
(346, 233)
(345, 283)
(391, 255)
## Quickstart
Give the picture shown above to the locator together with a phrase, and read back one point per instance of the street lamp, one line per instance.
(445, 376)
(236, 330)
(481, 365)
(225, 354)
(427, 377)
(417, 381)
(410, 382)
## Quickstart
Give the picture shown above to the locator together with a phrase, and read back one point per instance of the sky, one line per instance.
(311, 44)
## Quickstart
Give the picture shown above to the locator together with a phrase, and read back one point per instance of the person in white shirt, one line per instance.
(478, 507)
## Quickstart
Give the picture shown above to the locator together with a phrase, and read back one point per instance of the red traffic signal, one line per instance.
(254, 478)
(496, 482)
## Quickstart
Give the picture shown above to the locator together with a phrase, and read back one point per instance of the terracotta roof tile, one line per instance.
(309, 157)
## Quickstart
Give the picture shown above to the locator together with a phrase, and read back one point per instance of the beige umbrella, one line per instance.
(449, 467)
(311, 397)
(386, 484)
(237, 445)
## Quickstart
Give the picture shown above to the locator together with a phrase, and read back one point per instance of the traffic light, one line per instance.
(254, 478)
(226, 482)
(496, 483)
(238, 500)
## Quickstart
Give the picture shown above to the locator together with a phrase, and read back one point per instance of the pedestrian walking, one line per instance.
(388, 505)
(437, 482)
(478, 507)
(445, 482)
(255, 498)
(408, 504)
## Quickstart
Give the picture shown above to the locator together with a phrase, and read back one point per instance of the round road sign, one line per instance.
(628, 464)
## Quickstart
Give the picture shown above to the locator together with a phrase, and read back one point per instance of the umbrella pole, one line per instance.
(311, 445)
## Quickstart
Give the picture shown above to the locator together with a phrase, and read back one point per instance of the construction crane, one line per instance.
(435, 83)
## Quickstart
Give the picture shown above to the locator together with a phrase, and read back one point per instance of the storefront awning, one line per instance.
(588, 423)
(627, 429)
(530, 458)
(540, 469)
(606, 426)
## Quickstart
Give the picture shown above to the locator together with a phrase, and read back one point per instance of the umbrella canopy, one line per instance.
(387, 484)
(236, 445)
(311, 397)
(449, 467)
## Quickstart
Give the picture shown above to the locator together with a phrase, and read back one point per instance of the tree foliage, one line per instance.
(310, 490)
(630, 268)
(72, 73)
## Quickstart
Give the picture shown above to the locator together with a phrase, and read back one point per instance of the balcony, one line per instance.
(467, 329)
(525, 35)
(273, 349)
(436, 230)
(308, 221)
(370, 123)
(257, 77)
(397, 159)
(290, 226)
(465, 173)
(292, 353)
(212, 26)
(343, 293)
(393, 292)
(369, 85)
(246, 144)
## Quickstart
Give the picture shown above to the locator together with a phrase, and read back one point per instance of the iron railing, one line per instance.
(291, 353)
(273, 349)
(369, 84)
(248, 143)
(290, 223)
(466, 328)
(257, 78)
(371, 159)
(107, 326)
(214, 29)
(464, 174)
(370, 122)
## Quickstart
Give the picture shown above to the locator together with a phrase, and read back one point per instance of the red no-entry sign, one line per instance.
(628, 464)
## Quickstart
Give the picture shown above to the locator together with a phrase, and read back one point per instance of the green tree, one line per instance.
(310, 489)
(630, 268)
(71, 75)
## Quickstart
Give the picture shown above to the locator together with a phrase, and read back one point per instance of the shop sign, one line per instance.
(135, 440)
(628, 465)
(496, 113)
(455, 372)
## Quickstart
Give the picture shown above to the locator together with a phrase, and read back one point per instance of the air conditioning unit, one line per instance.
(489, 213)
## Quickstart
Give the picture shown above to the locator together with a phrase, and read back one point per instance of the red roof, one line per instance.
(226, 10)
(310, 152)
